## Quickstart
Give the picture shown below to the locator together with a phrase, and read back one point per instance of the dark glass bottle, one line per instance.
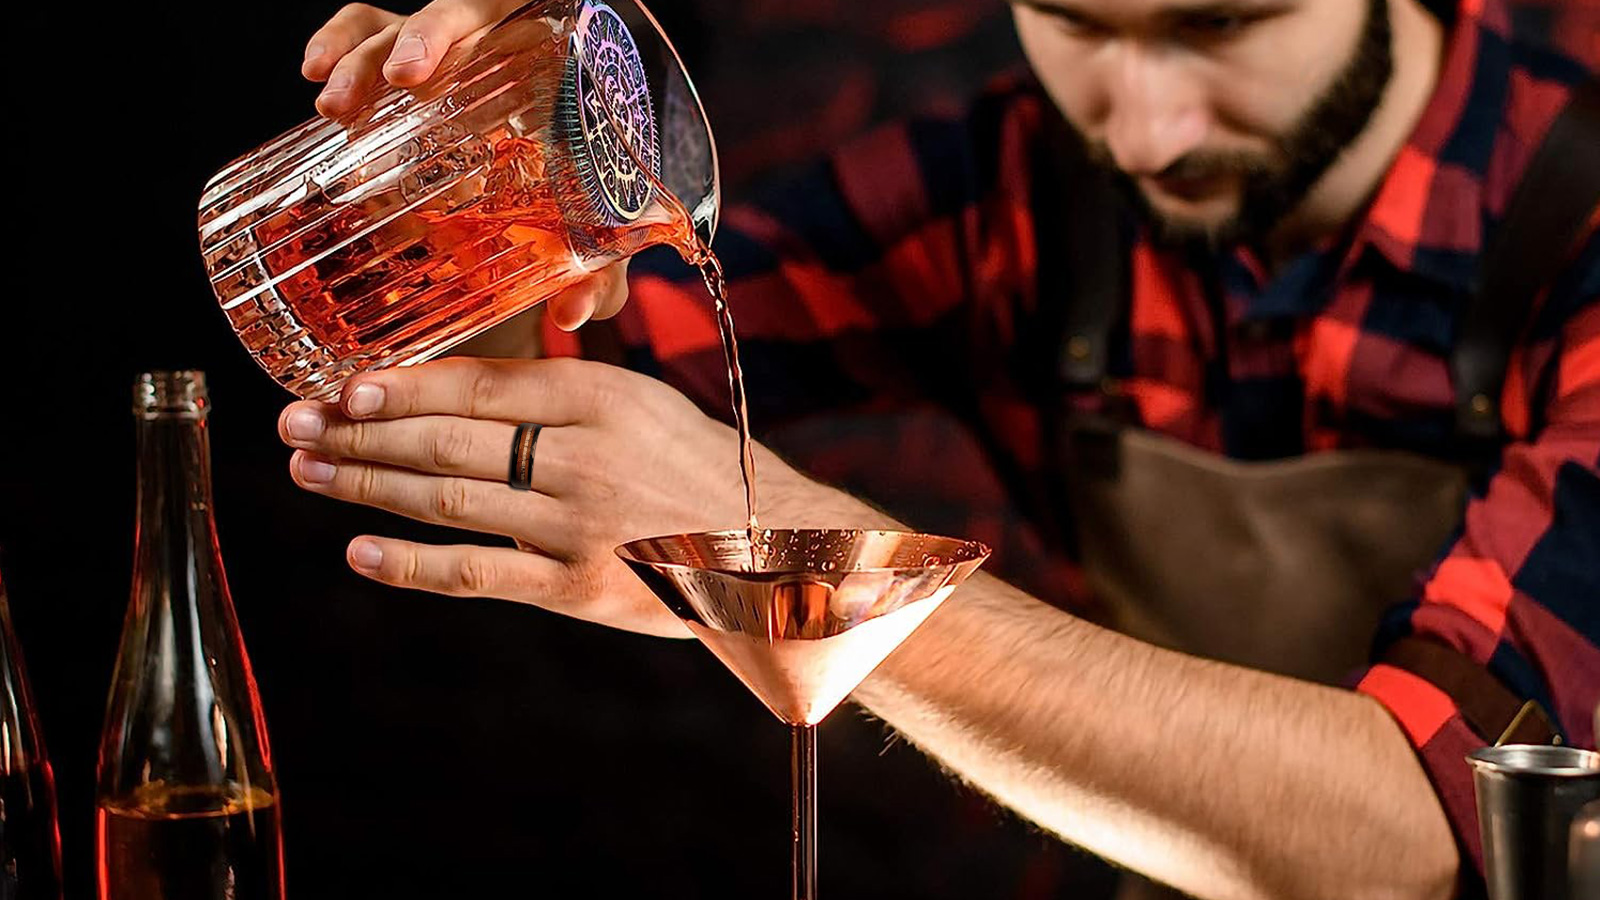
(30, 841)
(187, 806)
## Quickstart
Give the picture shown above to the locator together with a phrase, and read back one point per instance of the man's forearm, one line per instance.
(1225, 782)
(1222, 781)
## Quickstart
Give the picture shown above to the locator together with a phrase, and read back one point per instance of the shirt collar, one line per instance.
(1427, 217)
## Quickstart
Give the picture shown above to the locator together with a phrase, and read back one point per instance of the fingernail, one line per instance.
(410, 49)
(315, 471)
(304, 425)
(314, 52)
(584, 310)
(364, 400)
(366, 555)
(590, 307)
(338, 84)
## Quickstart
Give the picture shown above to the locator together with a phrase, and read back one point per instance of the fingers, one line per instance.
(356, 73)
(574, 305)
(438, 445)
(462, 570)
(601, 592)
(546, 391)
(614, 296)
(348, 29)
(426, 36)
(408, 55)
(599, 296)
(442, 500)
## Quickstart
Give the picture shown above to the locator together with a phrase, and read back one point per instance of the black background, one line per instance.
(425, 747)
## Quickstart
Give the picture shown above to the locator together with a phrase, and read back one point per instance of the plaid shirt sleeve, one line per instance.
(1518, 588)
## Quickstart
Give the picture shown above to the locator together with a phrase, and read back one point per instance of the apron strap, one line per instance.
(1082, 253)
(1082, 241)
(1493, 711)
(1549, 212)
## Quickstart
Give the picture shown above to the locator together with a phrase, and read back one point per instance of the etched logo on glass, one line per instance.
(618, 125)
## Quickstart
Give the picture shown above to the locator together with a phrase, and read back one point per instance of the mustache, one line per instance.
(1201, 164)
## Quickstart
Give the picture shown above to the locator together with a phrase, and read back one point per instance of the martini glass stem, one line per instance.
(803, 760)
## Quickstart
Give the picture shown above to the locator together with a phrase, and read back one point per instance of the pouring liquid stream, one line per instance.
(716, 284)
(697, 252)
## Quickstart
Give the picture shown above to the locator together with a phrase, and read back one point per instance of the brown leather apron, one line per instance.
(1284, 566)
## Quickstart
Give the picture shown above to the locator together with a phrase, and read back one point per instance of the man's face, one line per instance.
(1221, 114)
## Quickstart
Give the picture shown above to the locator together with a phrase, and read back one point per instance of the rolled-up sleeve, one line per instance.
(1518, 589)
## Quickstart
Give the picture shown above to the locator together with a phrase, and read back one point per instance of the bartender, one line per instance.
(1285, 314)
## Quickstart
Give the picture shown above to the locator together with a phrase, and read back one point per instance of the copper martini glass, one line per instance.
(802, 621)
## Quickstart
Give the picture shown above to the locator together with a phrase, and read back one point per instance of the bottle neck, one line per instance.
(165, 691)
(175, 545)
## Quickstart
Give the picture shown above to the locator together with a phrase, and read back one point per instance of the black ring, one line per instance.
(520, 474)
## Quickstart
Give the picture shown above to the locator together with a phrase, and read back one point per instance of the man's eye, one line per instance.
(1077, 25)
(1213, 26)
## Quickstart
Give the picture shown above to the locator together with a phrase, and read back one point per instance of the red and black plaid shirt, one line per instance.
(890, 293)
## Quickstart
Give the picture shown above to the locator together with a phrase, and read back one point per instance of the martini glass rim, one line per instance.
(959, 552)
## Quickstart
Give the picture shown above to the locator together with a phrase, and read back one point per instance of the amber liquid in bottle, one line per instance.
(187, 805)
(30, 842)
(192, 844)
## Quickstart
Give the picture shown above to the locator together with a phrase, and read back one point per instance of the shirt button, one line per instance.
(1255, 331)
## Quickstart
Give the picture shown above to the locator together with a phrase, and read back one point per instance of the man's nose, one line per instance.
(1154, 113)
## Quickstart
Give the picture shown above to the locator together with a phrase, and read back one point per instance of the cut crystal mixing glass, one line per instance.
(536, 155)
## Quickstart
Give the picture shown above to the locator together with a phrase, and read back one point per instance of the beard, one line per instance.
(1275, 182)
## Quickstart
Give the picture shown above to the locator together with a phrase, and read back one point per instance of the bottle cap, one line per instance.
(171, 395)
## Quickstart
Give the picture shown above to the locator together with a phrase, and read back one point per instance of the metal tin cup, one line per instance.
(1584, 853)
(1528, 797)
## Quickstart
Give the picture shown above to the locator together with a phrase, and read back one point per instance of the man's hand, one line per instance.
(363, 48)
(621, 456)
(362, 45)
